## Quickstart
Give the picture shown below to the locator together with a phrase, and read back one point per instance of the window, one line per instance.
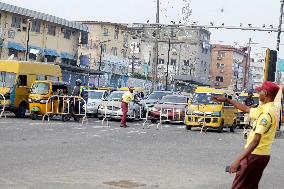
(219, 78)
(220, 66)
(221, 54)
(104, 48)
(51, 30)
(186, 62)
(105, 31)
(53, 78)
(67, 34)
(116, 32)
(41, 77)
(16, 22)
(173, 62)
(114, 51)
(161, 61)
(22, 80)
(36, 26)
(14, 52)
(124, 53)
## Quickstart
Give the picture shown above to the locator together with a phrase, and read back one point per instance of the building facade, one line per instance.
(35, 36)
(228, 67)
(257, 64)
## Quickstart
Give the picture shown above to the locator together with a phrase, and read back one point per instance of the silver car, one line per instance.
(112, 107)
(95, 99)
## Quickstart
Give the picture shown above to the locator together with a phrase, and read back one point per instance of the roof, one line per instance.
(209, 90)
(42, 16)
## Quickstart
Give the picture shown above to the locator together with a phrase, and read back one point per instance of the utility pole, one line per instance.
(247, 66)
(100, 63)
(28, 39)
(280, 24)
(167, 75)
(156, 48)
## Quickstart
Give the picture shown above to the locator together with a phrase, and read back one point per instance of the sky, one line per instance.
(229, 12)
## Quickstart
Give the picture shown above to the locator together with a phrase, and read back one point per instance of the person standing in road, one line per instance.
(126, 99)
(249, 100)
(251, 163)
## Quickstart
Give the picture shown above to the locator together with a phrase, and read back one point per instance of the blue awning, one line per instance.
(50, 52)
(34, 47)
(16, 46)
(66, 55)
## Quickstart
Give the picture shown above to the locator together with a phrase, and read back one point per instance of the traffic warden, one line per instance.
(127, 97)
(250, 164)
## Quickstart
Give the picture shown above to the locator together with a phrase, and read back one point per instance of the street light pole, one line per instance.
(167, 75)
(100, 63)
(280, 25)
(28, 39)
(156, 49)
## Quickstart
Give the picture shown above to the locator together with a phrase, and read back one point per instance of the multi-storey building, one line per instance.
(184, 50)
(228, 67)
(257, 64)
(107, 50)
(31, 35)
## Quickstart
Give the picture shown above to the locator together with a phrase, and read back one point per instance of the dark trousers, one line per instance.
(124, 107)
(251, 171)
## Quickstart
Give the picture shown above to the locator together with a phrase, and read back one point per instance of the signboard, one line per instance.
(134, 48)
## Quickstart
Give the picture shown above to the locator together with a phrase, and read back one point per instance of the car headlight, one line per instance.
(216, 114)
(102, 107)
(30, 100)
(43, 101)
(154, 109)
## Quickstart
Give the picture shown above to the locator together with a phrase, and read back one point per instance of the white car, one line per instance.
(95, 99)
(112, 107)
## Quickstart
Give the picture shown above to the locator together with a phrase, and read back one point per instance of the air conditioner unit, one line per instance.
(62, 30)
(222, 71)
(216, 83)
(219, 58)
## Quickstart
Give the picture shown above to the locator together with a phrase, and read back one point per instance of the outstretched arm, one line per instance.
(238, 105)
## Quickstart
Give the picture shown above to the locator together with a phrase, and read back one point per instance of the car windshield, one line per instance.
(95, 95)
(204, 98)
(115, 95)
(174, 100)
(157, 95)
(241, 99)
(7, 79)
(40, 88)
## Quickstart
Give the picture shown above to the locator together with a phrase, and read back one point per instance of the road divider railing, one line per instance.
(66, 106)
(173, 115)
(2, 105)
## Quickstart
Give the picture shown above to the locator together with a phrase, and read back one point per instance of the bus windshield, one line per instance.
(204, 98)
(7, 79)
(40, 88)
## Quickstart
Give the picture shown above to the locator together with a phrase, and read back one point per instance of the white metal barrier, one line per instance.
(175, 111)
(69, 110)
(111, 111)
(2, 106)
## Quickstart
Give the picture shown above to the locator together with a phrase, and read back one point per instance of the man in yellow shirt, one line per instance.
(126, 99)
(251, 163)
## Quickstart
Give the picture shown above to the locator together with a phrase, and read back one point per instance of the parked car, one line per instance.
(95, 99)
(154, 98)
(172, 107)
(111, 107)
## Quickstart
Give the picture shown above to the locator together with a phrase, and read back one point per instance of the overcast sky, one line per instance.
(229, 12)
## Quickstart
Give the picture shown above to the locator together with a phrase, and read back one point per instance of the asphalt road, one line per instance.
(57, 155)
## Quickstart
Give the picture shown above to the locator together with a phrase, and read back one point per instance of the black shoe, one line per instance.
(121, 125)
(125, 126)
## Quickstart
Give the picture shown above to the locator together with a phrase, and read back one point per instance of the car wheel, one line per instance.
(188, 127)
(154, 120)
(221, 127)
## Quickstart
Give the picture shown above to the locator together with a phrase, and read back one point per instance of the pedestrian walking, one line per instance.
(250, 164)
(126, 99)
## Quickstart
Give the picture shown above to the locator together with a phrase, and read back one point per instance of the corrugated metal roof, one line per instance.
(42, 16)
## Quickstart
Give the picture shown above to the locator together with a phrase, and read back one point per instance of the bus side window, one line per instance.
(22, 80)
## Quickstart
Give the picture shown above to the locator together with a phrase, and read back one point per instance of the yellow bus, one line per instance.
(203, 110)
(16, 78)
